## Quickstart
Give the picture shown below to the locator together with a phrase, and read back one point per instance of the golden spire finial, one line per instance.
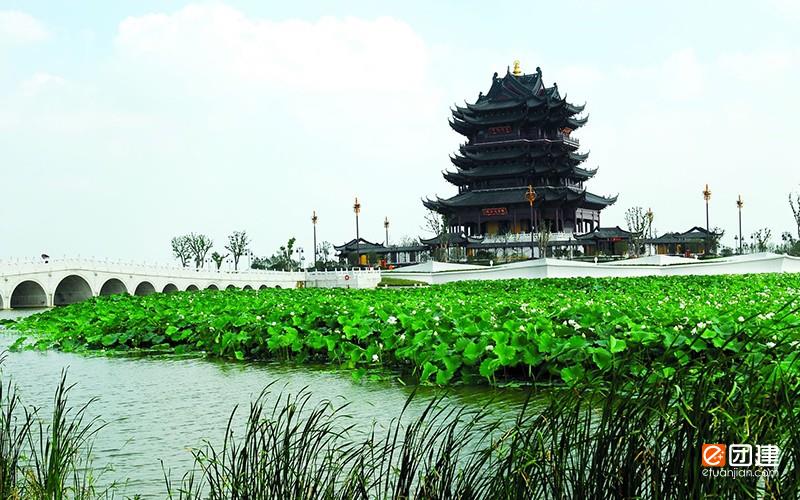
(517, 69)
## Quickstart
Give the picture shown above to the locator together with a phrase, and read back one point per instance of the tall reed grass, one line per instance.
(47, 459)
(612, 438)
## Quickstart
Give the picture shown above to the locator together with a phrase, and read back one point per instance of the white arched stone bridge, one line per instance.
(40, 283)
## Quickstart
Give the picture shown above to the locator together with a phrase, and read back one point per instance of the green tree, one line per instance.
(716, 237)
(181, 249)
(794, 203)
(639, 225)
(261, 263)
(237, 246)
(218, 258)
(324, 256)
(282, 260)
(438, 224)
(761, 239)
(543, 238)
(199, 245)
(790, 246)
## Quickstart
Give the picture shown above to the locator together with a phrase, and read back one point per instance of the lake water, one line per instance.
(161, 407)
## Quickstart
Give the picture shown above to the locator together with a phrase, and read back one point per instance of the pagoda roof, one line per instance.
(464, 175)
(696, 234)
(605, 233)
(453, 239)
(514, 98)
(363, 246)
(470, 154)
(516, 195)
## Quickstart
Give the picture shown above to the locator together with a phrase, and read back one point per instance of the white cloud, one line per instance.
(234, 121)
(679, 77)
(18, 27)
(40, 82)
(759, 66)
(786, 7)
(328, 55)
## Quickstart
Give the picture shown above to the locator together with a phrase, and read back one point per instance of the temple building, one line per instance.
(608, 241)
(519, 134)
(367, 253)
(691, 242)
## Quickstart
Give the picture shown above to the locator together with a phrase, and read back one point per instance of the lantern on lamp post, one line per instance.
(314, 220)
(739, 205)
(357, 210)
(530, 195)
(707, 198)
(386, 227)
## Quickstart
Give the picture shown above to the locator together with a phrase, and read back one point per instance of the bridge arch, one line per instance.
(212, 286)
(230, 287)
(144, 288)
(192, 288)
(247, 287)
(170, 288)
(113, 286)
(28, 294)
(71, 290)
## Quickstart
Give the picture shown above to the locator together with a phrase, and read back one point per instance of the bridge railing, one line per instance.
(10, 267)
(34, 265)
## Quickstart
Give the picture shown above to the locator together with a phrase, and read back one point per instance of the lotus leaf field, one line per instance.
(556, 330)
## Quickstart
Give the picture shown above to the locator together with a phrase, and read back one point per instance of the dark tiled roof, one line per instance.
(605, 233)
(696, 234)
(452, 239)
(513, 98)
(364, 246)
(516, 195)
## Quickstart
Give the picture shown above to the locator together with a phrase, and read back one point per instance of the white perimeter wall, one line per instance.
(554, 268)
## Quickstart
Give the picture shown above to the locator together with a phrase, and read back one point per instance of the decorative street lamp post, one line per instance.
(531, 197)
(649, 214)
(386, 227)
(357, 210)
(707, 197)
(739, 205)
(314, 220)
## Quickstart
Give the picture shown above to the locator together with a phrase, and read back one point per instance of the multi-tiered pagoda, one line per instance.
(519, 134)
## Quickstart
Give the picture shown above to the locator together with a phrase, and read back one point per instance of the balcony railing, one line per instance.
(561, 136)
(525, 237)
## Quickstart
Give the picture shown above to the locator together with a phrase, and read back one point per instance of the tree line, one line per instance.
(194, 248)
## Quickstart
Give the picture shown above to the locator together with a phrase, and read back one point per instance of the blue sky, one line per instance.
(124, 123)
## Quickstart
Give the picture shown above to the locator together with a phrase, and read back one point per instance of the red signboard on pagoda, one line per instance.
(494, 212)
(505, 129)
